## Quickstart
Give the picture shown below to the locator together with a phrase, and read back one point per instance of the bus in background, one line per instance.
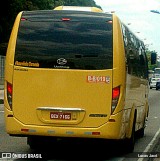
(79, 8)
(75, 74)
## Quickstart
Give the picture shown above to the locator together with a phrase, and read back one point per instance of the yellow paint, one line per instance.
(86, 91)
(79, 8)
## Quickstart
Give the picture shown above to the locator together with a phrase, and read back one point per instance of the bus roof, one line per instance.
(79, 8)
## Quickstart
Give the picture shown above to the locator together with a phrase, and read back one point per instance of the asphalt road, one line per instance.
(144, 147)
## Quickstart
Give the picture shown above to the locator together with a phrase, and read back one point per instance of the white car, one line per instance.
(153, 82)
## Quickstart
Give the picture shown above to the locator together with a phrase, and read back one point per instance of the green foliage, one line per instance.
(10, 8)
(150, 66)
(75, 3)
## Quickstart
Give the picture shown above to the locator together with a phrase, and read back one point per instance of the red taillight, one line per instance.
(9, 94)
(23, 19)
(9, 88)
(65, 19)
(25, 130)
(115, 92)
(115, 97)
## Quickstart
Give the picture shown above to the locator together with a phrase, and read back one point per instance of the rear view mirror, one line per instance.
(153, 58)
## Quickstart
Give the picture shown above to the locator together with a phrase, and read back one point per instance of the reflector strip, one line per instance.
(51, 132)
(28, 130)
(88, 133)
(96, 133)
(70, 132)
(92, 133)
(25, 130)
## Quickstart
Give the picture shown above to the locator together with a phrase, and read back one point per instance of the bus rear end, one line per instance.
(59, 76)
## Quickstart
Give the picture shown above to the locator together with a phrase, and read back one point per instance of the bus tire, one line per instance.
(130, 142)
(41, 142)
(34, 142)
(141, 133)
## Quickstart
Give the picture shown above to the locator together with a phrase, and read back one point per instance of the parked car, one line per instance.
(153, 82)
(158, 85)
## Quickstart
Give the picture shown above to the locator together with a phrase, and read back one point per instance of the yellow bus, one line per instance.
(75, 74)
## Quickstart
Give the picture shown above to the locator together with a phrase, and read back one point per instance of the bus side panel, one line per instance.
(134, 90)
(136, 81)
(10, 57)
(119, 66)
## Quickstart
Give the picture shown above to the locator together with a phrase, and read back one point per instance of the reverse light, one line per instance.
(9, 93)
(115, 97)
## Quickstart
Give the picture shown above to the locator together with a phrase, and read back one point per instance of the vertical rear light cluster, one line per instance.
(115, 97)
(9, 94)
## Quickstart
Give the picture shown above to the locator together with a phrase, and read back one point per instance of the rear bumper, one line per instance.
(109, 130)
(152, 85)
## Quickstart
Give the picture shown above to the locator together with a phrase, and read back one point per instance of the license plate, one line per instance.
(60, 115)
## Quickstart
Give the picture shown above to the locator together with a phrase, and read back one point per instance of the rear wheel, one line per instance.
(34, 142)
(40, 142)
(140, 132)
(129, 143)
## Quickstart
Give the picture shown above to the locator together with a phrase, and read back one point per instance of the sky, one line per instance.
(139, 18)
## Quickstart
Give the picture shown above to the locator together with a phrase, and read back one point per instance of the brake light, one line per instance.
(115, 92)
(9, 88)
(65, 19)
(9, 94)
(23, 19)
(115, 97)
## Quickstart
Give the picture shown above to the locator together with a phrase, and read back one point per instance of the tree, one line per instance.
(75, 3)
(11, 8)
(150, 65)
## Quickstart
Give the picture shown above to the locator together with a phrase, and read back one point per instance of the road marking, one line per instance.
(150, 144)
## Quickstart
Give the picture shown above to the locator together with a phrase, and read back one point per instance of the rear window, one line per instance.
(155, 79)
(65, 41)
